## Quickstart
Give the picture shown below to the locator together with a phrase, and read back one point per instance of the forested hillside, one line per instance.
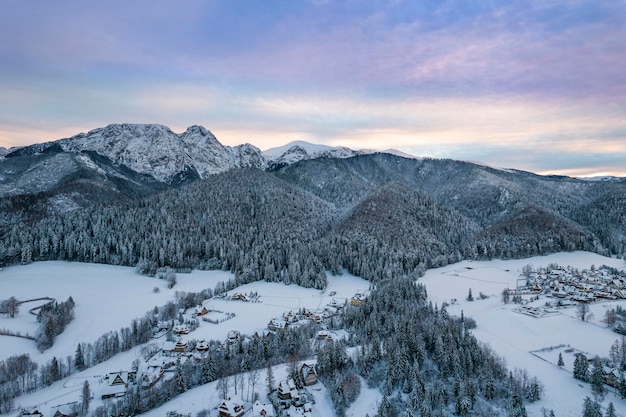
(375, 215)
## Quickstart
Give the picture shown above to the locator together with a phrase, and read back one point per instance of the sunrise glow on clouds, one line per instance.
(538, 86)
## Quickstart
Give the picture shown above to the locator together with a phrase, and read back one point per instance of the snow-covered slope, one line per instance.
(156, 150)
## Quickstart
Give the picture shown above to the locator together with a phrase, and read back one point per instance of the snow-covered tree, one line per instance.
(581, 367)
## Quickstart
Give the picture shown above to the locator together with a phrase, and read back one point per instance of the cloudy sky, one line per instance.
(533, 85)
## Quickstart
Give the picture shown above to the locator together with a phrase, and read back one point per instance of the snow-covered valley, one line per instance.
(107, 298)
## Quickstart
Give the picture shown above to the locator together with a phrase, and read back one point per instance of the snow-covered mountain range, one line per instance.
(157, 151)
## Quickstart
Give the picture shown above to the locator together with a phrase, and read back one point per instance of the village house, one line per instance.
(201, 310)
(308, 374)
(65, 410)
(181, 329)
(180, 346)
(357, 299)
(262, 410)
(202, 346)
(276, 324)
(232, 407)
(233, 336)
(287, 390)
(240, 297)
(151, 376)
(118, 384)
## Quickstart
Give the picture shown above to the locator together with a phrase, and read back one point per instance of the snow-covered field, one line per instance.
(514, 336)
(109, 297)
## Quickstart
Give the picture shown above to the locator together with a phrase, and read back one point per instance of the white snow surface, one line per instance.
(514, 336)
(107, 298)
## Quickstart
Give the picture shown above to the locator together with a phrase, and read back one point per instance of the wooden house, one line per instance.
(201, 310)
(262, 410)
(308, 374)
(287, 390)
(233, 407)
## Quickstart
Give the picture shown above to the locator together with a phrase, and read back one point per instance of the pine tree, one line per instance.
(591, 408)
(610, 411)
(581, 367)
(79, 359)
(470, 297)
(597, 377)
(561, 363)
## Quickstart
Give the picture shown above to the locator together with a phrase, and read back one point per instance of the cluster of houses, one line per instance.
(304, 315)
(237, 296)
(294, 402)
(569, 283)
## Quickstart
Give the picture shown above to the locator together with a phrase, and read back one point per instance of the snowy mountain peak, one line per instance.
(157, 151)
(301, 150)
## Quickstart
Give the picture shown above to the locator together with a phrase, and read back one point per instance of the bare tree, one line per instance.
(86, 398)
(253, 376)
(583, 312)
(222, 387)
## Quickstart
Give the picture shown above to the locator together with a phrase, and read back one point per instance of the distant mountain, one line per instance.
(156, 151)
(301, 151)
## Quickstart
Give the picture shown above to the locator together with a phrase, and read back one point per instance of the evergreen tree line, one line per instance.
(263, 228)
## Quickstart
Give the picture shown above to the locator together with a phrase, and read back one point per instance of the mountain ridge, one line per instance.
(370, 213)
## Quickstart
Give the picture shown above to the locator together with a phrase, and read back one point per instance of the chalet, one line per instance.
(233, 336)
(611, 376)
(66, 410)
(233, 407)
(202, 346)
(181, 329)
(357, 300)
(121, 378)
(151, 376)
(290, 317)
(180, 346)
(118, 384)
(201, 310)
(287, 390)
(262, 410)
(276, 324)
(308, 374)
(240, 297)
